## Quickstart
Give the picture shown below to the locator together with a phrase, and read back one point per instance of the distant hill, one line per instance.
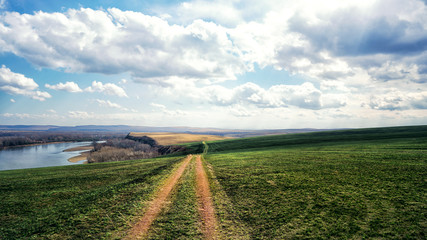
(127, 129)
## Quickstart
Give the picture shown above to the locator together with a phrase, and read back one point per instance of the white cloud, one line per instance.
(16, 115)
(68, 87)
(80, 115)
(116, 41)
(108, 103)
(123, 81)
(163, 109)
(344, 54)
(156, 105)
(240, 111)
(222, 12)
(398, 100)
(12, 100)
(2, 4)
(18, 84)
(108, 88)
(17, 80)
(305, 96)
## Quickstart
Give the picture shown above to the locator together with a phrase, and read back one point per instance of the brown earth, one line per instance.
(141, 228)
(204, 199)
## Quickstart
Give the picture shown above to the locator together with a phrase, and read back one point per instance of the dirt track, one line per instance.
(155, 207)
(204, 199)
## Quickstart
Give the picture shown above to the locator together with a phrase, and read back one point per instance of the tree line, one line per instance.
(16, 139)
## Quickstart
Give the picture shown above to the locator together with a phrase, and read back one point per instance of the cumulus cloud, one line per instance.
(163, 109)
(116, 41)
(108, 88)
(398, 100)
(350, 31)
(344, 51)
(9, 78)
(240, 111)
(12, 100)
(108, 103)
(16, 115)
(18, 84)
(305, 96)
(80, 115)
(156, 105)
(68, 87)
(222, 12)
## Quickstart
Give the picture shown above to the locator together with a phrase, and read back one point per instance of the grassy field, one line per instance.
(352, 184)
(91, 201)
(164, 138)
(348, 184)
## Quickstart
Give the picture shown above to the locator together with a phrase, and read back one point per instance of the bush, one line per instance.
(113, 154)
(128, 149)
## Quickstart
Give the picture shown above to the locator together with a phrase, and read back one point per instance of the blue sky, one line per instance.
(229, 64)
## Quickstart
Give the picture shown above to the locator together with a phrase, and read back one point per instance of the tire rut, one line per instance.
(140, 229)
(205, 203)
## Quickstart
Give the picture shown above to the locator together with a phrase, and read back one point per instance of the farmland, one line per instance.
(165, 138)
(363, 183)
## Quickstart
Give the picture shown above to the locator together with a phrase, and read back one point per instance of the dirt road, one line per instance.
(204, 202)
(204, 199)
(155, 207)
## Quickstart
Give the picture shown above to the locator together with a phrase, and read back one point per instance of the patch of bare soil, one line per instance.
(204, 199)
(143, 225)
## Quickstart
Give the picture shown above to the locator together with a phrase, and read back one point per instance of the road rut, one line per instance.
(204, 199)
(159, 202)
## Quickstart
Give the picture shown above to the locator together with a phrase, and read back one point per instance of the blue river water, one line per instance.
(39, 156)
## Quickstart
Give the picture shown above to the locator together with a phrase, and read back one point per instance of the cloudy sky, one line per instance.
(226, 63)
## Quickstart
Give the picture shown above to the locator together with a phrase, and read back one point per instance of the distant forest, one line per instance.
(16, 138)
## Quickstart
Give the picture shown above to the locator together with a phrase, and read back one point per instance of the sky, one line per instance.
(240, 64)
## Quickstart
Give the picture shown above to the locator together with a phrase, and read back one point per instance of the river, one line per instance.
(39, 156)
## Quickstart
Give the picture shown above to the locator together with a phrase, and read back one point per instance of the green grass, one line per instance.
(94, 201)
(371, 185)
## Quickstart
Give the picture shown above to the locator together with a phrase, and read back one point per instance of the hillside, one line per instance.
(353, 136)
(362, 183)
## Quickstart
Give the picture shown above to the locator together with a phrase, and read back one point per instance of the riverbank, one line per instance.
(83, 155)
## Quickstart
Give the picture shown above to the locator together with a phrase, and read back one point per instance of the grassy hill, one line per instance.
(367, 183)
(363, 183)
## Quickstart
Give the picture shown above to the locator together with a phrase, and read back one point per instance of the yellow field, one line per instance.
(165, 138)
